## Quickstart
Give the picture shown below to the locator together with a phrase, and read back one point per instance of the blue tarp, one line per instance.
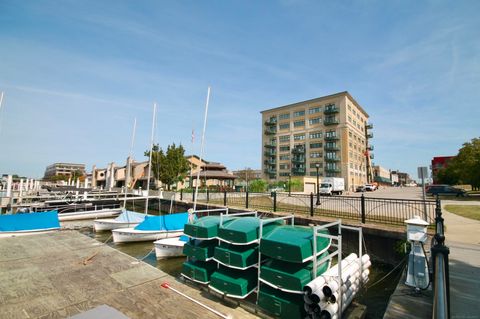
(184, 238)
(29, 221)
(130, 217)
(164, 222)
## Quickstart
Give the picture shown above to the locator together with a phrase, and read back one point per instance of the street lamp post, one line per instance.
(317, 166)
(289, 184)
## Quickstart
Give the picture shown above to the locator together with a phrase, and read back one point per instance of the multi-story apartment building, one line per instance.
(65, 169)
(329, 133)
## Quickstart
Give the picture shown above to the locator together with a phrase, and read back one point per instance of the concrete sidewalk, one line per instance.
(463, 238)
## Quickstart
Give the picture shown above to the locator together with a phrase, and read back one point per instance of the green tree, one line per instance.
(464, 168)
(257, 186)
(467, 164)
(171, 166)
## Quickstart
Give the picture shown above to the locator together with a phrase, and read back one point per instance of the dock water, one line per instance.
(60, 274)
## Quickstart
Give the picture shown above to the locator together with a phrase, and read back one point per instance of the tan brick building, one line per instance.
(330, 132)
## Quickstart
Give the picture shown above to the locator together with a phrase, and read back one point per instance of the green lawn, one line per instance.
(468, 211)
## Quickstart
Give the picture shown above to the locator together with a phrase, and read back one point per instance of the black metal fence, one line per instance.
(364, 209)
(441, 271)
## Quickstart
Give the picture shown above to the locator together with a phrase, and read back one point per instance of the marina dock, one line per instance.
(61, 274)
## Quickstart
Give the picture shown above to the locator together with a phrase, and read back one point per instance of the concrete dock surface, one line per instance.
(61, 274)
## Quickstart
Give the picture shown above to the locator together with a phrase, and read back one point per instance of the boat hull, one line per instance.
(169, 247)
(88, 214)
(111, 223)
(6, 234)
(125, 235)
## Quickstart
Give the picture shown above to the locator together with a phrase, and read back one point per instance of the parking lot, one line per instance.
(393, 192)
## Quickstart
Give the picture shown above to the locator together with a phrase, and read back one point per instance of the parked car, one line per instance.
(360, 188)
(370, 187)
(433, 190)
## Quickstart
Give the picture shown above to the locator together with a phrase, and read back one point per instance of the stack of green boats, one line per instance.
(238, 255)
(289, 269)
(200, 249)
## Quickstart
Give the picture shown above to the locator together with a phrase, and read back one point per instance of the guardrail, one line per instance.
(364, 209)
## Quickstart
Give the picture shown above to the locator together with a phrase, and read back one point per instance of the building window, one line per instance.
(298, 113)
(299, 137)
(284, 126)
(284, 157)
(315, 145)
(316, 120)
(285, 148)
(314, 110)
(284, 138)
(331, 155)
(284, 116)
(284, 166)
(330, 134)
(314, 135)
(315, 154)
(298, 123)
(283, 174)
(312, 165)
(349, 118)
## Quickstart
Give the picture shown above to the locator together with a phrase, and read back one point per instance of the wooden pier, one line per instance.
(65, 273)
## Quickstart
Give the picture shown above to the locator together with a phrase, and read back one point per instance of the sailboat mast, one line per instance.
(202, 148)
(129, 166)
(150, 157)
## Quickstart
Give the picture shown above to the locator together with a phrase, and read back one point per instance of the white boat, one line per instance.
(170, 247)
(89, 214)
(28, 224)
(125, 220)
(152, 228)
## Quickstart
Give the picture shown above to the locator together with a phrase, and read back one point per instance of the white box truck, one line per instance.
(332, 186)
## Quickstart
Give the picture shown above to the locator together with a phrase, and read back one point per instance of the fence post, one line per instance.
(246, 200)
(362, 202)
(193, 196)
(441, 277)
(181, 194)
(311, 204)
(274, 201)
(208, 196)
(224, 198)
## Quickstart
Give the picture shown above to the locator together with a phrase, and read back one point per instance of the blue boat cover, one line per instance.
(164, 222)
(184, 238)
(128, 216)
(29, 221)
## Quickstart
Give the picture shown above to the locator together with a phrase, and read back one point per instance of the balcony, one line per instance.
(270, 171)
(298, 150)
(332, 147)
(331, 121)
(270, 145)
(331, 138)
(331, 110)
(332, 159)
(271, 121)
(270, 162)
(332, 170)
(369, 135)
(271, 153)
(298, 171)
(370, 147)
(298, 159)
(270, 131)
(371, 156)
(369, 126)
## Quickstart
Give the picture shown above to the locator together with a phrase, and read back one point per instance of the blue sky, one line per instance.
(76, 73)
